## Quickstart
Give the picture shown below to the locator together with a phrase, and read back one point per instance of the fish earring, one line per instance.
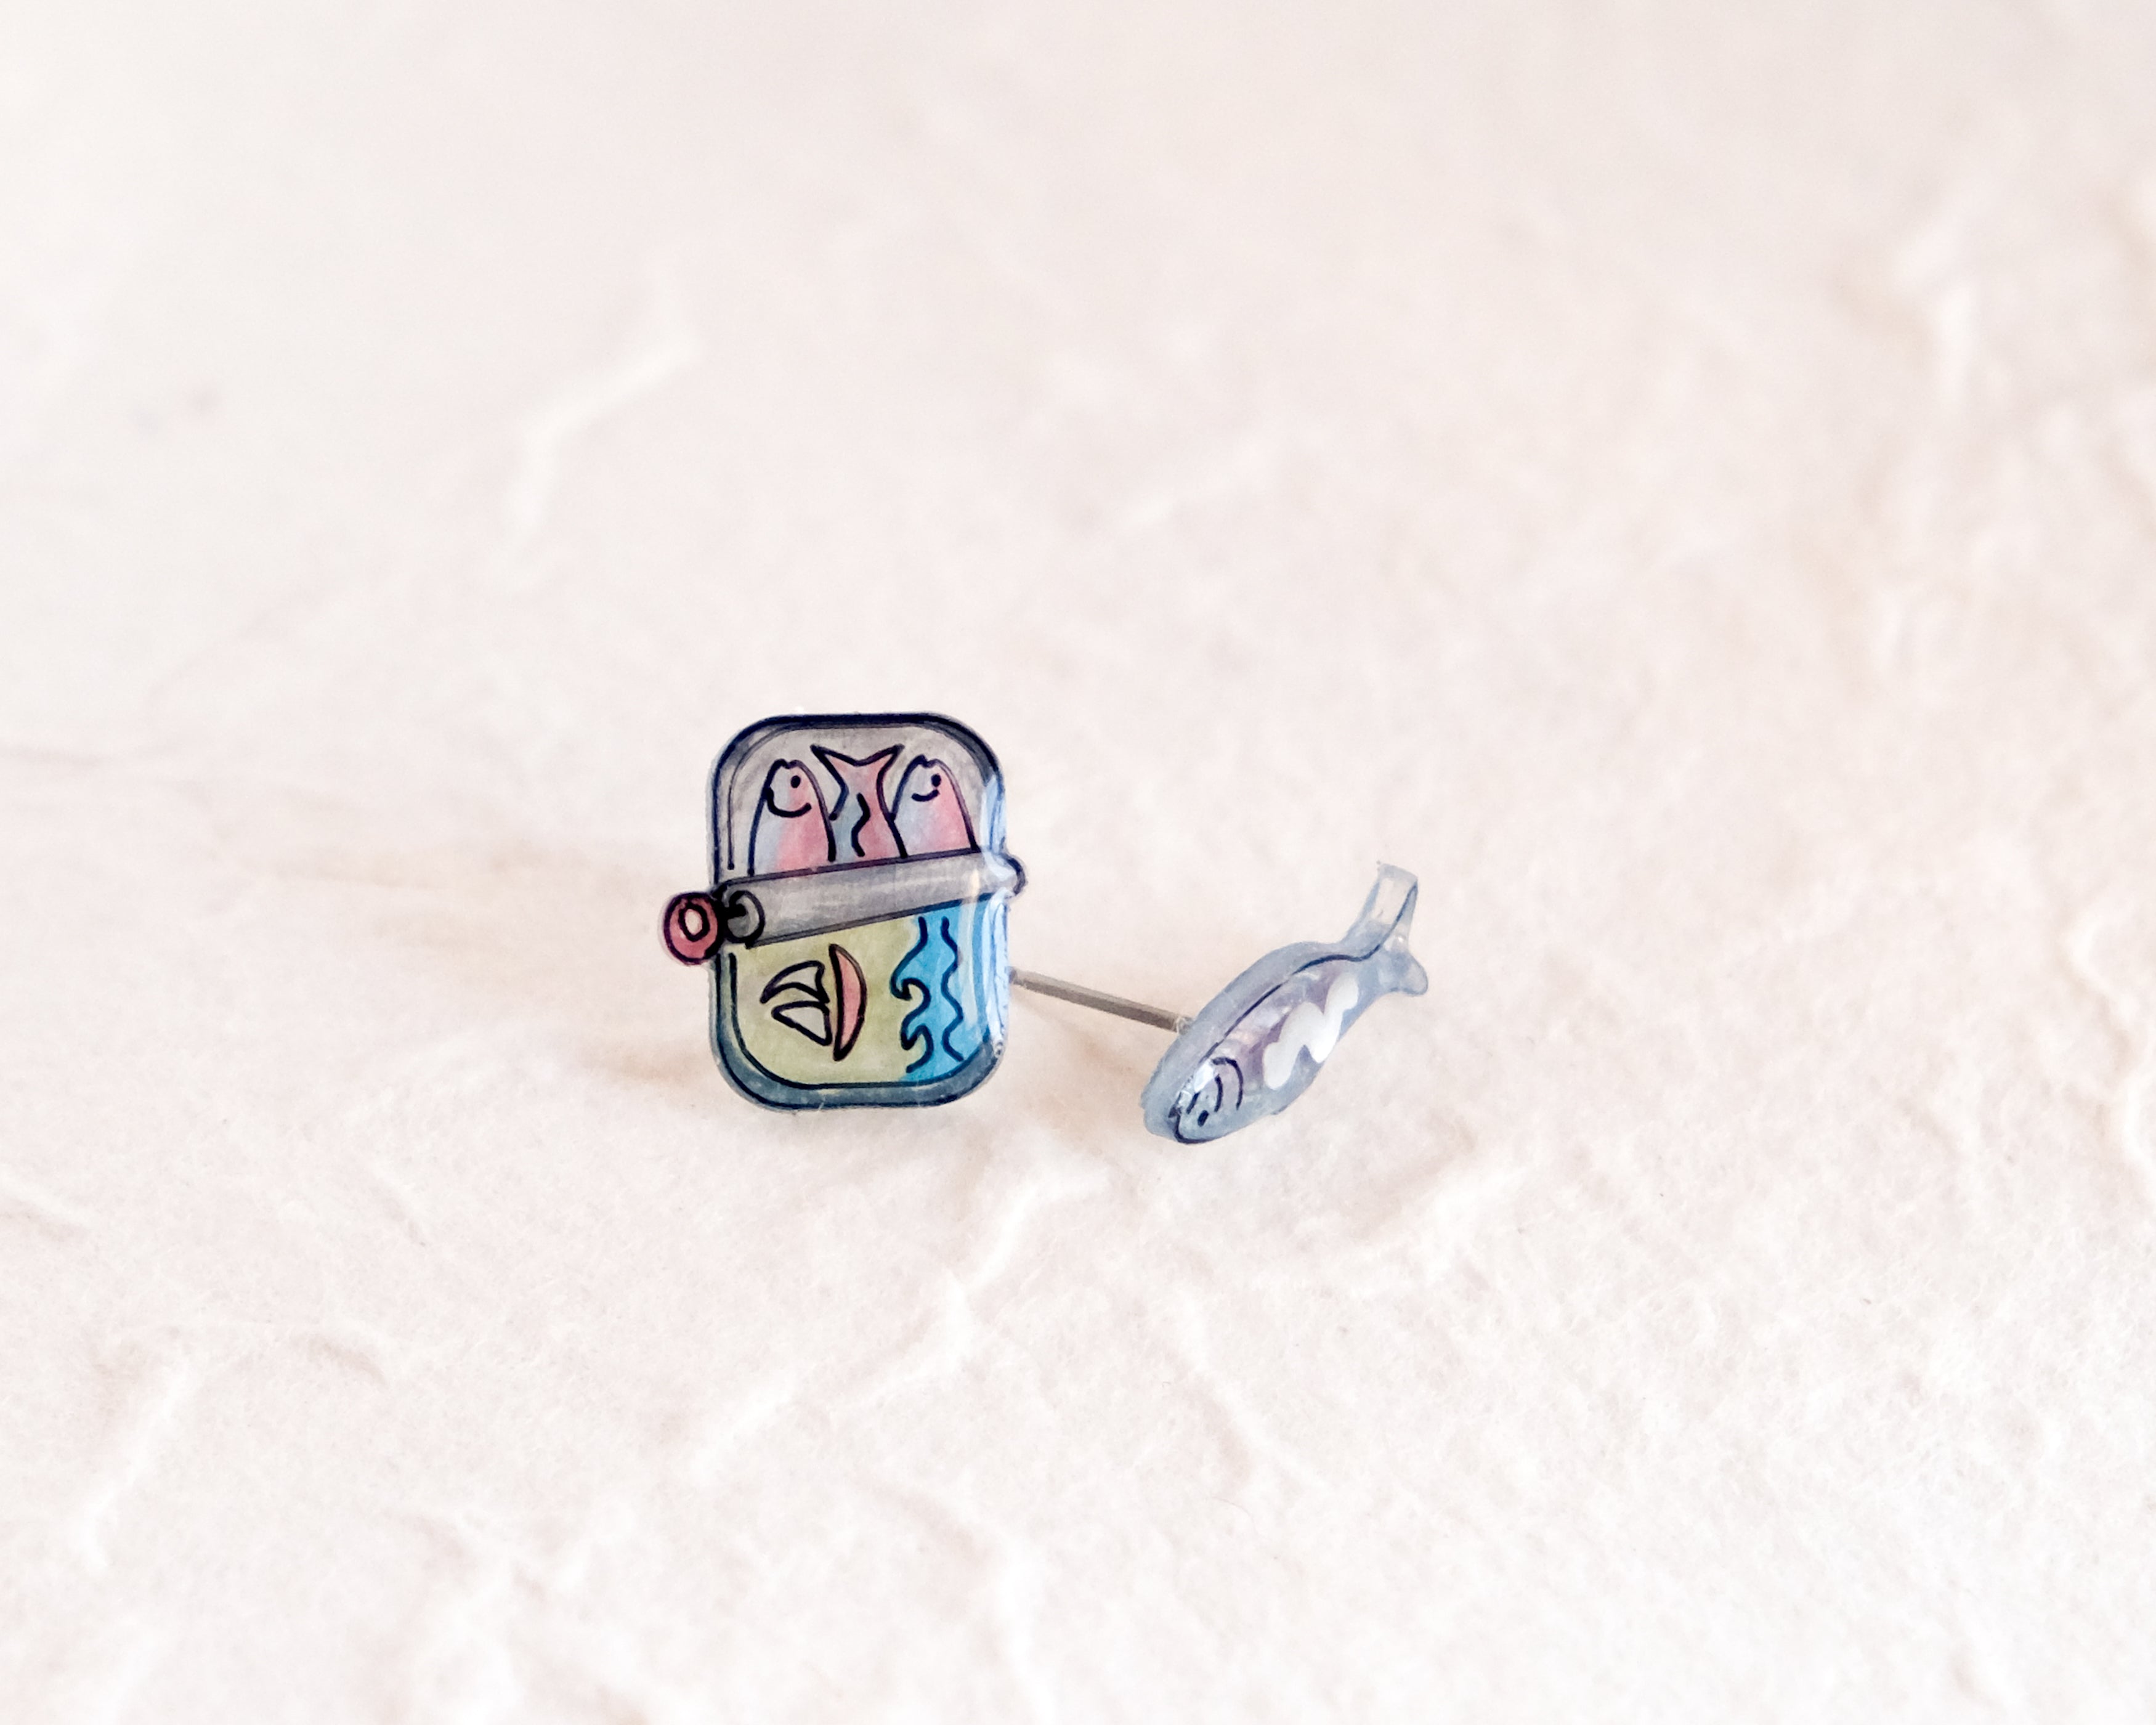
(856, 932)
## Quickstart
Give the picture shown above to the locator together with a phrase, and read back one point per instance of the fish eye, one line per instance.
(935, 779)
(795, 781)
(1204, 1115)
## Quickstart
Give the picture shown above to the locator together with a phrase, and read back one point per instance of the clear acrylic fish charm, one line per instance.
(1258, 1044)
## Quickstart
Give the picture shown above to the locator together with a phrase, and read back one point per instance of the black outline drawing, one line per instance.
(942, 783)
(850, 793)
(844, 1035)
(767, 802)
(815, 1003)
(923, 736)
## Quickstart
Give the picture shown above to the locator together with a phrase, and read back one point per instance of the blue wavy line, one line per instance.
(958, 1007)
(910, 1027)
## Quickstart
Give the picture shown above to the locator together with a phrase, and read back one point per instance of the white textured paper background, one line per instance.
(1680, 479)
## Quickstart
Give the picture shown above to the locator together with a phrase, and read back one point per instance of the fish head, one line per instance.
(930, 814)
(790, 788)
(1211, 1104)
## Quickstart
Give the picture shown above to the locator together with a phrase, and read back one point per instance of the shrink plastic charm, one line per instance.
(854, 929)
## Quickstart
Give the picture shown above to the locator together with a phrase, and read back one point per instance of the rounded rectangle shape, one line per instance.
(859, 860)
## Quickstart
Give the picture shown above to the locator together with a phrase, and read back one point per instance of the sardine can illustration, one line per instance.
(852, 967)
(1259, 1043)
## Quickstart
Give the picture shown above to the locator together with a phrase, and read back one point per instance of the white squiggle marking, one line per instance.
(1309, 1027)
(665, 342)
(2135, 1027)
(22, 1201)
(157, 1387)
(1198, 1081)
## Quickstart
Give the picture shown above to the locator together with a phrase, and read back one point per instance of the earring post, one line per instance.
(1158, 1017)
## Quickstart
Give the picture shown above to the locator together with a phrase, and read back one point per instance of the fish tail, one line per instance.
(1381, 932)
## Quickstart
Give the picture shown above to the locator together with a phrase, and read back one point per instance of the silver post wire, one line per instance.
(1158, 1017)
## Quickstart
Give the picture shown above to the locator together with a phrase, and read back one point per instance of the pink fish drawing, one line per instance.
(860, 826)
(792, 830)
(928, 812)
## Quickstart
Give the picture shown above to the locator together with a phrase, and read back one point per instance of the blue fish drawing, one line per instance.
(1259, 1043)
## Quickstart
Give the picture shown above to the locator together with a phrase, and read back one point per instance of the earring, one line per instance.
(856, 931)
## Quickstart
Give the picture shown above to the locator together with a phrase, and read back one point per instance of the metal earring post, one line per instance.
(1158, 1017)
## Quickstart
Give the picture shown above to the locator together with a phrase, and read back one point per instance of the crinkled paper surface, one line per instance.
(1679, 478)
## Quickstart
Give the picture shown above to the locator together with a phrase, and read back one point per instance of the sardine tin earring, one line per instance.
(856, 924)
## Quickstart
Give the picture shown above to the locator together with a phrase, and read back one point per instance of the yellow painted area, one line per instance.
(878, 1057)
